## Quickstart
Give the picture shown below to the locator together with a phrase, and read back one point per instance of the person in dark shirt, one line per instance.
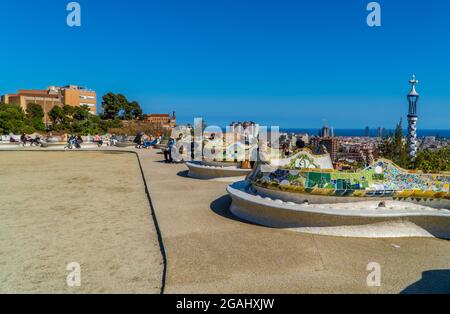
(168, 151)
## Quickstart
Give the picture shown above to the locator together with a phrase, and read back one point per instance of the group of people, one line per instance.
(74, 141)
(144, 141)
(24, 139)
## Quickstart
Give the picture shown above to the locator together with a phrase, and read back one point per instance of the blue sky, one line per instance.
(289, 63)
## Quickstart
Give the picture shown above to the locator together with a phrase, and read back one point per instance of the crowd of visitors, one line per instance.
(144, 141)
(25, 139)
(74, 141)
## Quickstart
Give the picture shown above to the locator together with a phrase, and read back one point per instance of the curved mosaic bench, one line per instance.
(331, 198)
(382, 179)
(352, 219)
(382, 200)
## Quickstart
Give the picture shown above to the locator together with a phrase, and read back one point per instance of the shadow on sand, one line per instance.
(432, 282)
(183, 174)
(221, 207)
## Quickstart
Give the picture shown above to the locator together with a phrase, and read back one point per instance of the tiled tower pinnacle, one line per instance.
(413, 98)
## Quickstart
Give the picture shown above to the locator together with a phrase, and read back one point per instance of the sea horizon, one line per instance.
(441, 133)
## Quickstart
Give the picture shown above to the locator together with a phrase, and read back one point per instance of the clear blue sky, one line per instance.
(289, 63)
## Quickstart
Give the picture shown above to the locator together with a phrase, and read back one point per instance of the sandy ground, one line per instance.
(63, 207)
(210, 251)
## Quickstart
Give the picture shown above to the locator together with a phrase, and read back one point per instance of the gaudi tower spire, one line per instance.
(413, 98)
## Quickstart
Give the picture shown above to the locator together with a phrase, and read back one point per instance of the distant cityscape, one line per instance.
(347, 146)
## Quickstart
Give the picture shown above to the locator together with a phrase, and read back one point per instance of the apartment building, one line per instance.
(76, 96)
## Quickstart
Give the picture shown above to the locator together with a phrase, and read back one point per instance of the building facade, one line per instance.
(162, 120)
(357, 152)
(53, 96)
(326, 138)
(76, 96)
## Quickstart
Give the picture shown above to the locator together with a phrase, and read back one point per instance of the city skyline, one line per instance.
(293, 65)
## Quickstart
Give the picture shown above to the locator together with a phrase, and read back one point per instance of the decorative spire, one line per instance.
(413, 98)
(413, 83)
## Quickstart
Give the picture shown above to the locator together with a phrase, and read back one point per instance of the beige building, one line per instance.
(71, 95)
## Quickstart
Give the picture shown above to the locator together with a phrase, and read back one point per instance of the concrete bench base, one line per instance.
(362, 219)
(199, 171)
(9, 146)
(125, 145)
(54, 145)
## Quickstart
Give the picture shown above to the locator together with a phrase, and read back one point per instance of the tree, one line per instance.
(12, 119)
(394, 147)
(81, 113)
(69, 110)
(57, 116)
(35, 111)
(35, 116)
(433, 161)
(132, 111)
(117, 106)
(111, 106)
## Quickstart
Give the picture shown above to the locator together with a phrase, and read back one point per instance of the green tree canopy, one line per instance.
(12, 119)
(433, 161)
(111, 106)
(395, 148)
(34, 117)
(117, 106)
(57, 116)
(35, 111)
(132, 111)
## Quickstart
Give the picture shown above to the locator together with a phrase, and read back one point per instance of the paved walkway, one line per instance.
(210, 251)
